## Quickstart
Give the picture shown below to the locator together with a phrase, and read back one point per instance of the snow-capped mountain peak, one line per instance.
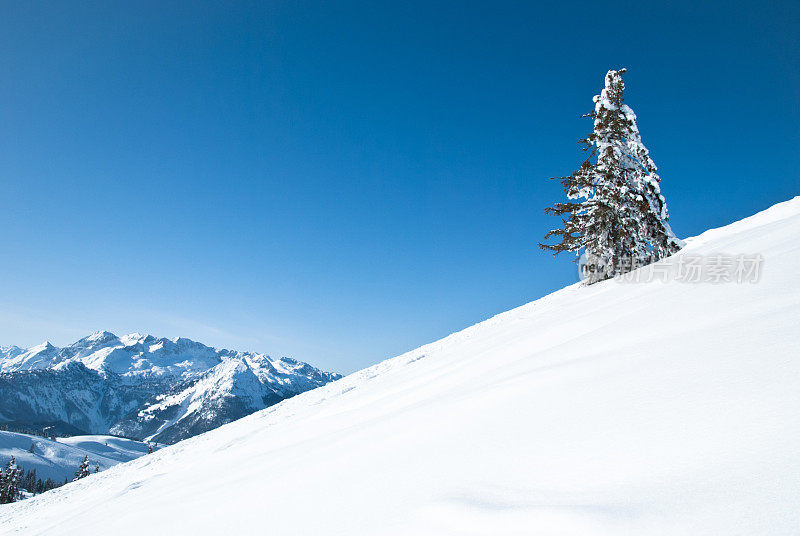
(141, 386)
(130, 355)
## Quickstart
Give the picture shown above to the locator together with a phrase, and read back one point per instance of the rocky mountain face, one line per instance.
(144, 387)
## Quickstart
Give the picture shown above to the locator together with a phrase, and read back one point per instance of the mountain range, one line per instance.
(143, 387)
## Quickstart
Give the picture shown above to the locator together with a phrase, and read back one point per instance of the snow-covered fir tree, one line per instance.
(83, 470)
(2, 486)
(616, 212)
(9, 482)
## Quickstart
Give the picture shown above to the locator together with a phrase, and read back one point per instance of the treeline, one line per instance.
(14, 479)
(48, 432)
(31, 483)
(34, 432)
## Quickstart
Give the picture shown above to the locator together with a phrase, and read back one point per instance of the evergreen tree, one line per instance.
(31, 450)
(150, 448)
(12, 485)
(97, 468)
(9, 483)
(616, 211)
(83, 470)
(28, 481)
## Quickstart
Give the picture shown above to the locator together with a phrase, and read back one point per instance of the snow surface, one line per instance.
(60, 458)
(618, 409)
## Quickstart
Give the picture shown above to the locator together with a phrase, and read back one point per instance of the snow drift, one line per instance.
(619, 409)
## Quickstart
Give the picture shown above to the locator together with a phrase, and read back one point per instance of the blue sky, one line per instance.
(345, 181)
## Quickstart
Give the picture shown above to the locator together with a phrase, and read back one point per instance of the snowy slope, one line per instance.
(616, 409)
(60, 458)
(142, 386)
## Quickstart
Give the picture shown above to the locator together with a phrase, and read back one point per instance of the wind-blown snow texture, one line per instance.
(58, 459)
(614, 409)
(143, 387)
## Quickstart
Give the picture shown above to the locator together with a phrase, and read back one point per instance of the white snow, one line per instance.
(59, 458)
(615, 409)
(199, 387)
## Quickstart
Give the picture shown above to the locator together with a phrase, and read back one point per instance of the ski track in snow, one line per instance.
(616, 409)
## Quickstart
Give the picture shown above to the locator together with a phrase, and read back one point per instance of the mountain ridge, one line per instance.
(145, 387)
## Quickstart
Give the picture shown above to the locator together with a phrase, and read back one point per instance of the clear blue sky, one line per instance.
(344, 181)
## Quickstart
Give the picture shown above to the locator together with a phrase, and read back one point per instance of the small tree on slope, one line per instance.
(83, 470)
(9, 482)
(619, 216)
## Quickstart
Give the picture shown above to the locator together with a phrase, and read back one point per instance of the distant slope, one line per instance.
(616, 409)
(142, 386)
(60, 459)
